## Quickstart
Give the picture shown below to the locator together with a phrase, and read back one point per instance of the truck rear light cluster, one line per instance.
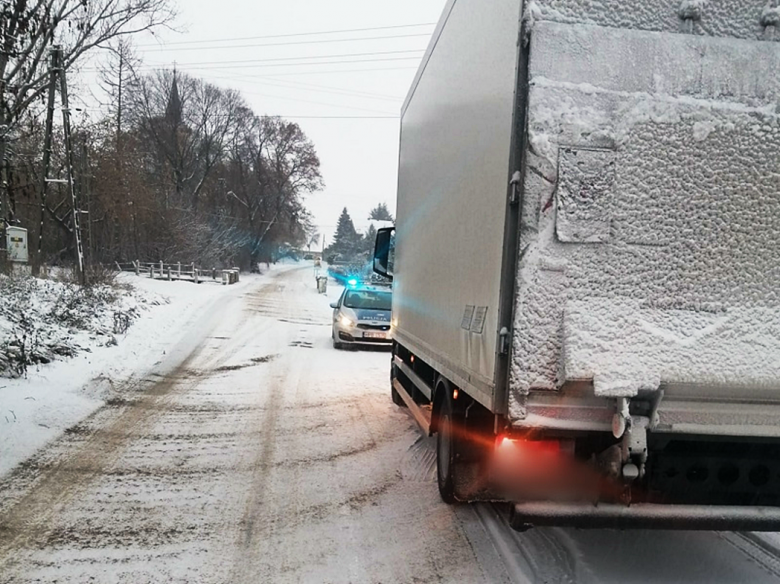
(509, 445)
(538, 469)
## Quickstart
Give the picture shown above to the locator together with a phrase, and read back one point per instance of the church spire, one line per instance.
(173, 113)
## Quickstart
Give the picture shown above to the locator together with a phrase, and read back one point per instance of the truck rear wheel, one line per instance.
(447, 448)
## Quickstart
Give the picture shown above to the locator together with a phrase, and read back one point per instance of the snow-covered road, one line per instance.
(257, 453)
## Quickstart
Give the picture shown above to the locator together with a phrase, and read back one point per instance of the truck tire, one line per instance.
(447, 447)
(396, 397)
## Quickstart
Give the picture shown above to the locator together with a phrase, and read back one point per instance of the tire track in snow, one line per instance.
(254, 524)
(540, 555)
(342, 512)
(31, 515)
(263, 513)
(249, 523)
(28, 523)
(516, 563)
(419, 461)
(756, 548)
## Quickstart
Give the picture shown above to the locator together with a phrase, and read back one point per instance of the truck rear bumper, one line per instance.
(645, 516)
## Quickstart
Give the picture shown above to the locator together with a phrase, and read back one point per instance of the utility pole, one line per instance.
(86, 194)
(57, 73)
(4, 200)
(53, 68)
(120, 90)
(69, 161)
(85, 197)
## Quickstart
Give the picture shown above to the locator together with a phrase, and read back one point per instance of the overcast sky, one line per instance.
(345, 93)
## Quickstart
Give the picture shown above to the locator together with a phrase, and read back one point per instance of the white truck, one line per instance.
(586, 260)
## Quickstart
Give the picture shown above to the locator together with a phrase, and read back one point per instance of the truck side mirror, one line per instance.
(384, 252)
(334, 305)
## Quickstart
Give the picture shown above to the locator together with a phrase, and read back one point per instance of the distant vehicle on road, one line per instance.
(346, 273)
(361, 316)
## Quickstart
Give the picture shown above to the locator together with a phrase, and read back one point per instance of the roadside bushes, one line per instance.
(44, 320)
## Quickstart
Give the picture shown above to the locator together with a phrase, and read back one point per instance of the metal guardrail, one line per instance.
(179, 271)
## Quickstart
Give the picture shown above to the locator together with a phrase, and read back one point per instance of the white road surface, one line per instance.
(258, 453)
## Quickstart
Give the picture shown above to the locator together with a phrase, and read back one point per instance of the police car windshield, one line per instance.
(368, 299)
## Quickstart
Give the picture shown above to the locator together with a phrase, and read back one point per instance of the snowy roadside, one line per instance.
(55, 396)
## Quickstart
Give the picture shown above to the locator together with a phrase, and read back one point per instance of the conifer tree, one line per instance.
(347, 241)
(380, 213)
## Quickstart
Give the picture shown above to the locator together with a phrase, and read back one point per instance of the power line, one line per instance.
(284, 98)
(297, 34)
(297, 73)
(275, 59)
(344, 62)
(295, 43)
(308, 87)
(305, 87)
(316, 86)
(387, 116)
(219, 66)
(308, 117)
(332, 117)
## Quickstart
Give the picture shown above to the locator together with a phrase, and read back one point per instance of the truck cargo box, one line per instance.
(650, 226)
(587, 256)
(643, 141)
(456, 146)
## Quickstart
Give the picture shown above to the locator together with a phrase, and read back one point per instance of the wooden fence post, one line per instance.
(151, 271)
(137, 268)
(161, 268)
(170, 274)
(178, 269)
(195, 275)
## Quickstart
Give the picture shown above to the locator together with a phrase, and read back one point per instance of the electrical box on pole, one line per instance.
(16, 244)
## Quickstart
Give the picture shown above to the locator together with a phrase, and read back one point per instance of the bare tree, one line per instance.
(29, 28)
(190, 123)
(312, 236)
(115, 75)
(274, 165)
(215, 117)
(190, 173)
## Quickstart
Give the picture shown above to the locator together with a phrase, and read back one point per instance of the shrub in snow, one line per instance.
(43, 320)
(692, 9)
(770, 16)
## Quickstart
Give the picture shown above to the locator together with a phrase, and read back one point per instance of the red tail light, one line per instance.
(504, 443)
(507, 444)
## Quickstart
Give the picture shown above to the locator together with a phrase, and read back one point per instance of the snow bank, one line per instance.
(55, 396)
